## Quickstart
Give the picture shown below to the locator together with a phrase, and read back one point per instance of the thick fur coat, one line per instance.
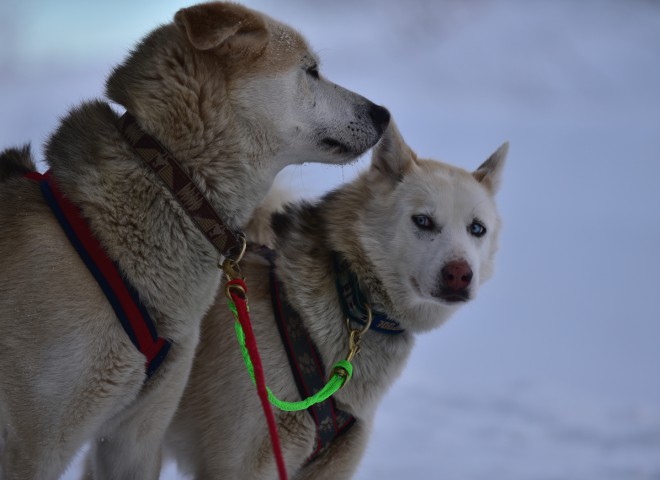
(419, 235)
(235, 96)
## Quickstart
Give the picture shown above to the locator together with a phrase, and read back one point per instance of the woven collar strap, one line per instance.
(184, 189)
(353, 302)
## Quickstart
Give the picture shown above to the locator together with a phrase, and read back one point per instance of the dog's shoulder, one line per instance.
(16, 162)
(18, 197)
(86, 128)
(302, 215)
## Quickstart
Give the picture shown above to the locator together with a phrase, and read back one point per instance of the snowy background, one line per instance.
(553, 373)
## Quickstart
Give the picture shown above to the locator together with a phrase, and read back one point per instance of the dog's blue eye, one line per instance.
(313, 71)
(477, 229)
(423, 222)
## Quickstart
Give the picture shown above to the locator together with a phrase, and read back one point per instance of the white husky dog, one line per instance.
(234, 96)
(412, 238)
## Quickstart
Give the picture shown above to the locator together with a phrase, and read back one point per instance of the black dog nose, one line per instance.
(380, 116)
(457, 275)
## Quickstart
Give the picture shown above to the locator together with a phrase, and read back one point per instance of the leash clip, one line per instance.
(231, 269)
(355, 335)
(354, 341)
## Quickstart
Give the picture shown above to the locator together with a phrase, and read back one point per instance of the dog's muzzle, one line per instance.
(455, 282)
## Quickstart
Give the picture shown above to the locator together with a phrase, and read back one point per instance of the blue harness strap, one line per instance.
(123, 298)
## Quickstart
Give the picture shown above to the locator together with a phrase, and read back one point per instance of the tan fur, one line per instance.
(229, 92)
(219, 430)
(258, 229)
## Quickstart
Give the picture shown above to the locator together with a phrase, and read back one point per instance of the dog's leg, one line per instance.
(43, 431)
(41, 446)
(42, 462)
(341, 458)
(129, 446)
(113, 457)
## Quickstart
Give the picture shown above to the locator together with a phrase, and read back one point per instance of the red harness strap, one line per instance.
(120, 293)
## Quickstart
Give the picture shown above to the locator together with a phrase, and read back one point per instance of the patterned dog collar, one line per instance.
(353, 302)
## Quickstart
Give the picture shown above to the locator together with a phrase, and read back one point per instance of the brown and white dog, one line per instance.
(235, 96)
(418, 237)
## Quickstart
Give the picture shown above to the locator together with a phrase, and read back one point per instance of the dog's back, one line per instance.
(15, 162)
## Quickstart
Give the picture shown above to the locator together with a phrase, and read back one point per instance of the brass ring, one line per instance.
(229, 264)
(243, 248)
(361, 331)
(229, 287)
(340, 372)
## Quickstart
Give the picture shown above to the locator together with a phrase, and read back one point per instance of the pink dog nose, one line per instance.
(457, 275)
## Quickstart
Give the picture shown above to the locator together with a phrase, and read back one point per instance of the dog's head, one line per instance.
(226, 77)
(429, 229)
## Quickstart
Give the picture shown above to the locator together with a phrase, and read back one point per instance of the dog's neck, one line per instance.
(137, 220)
(230, 244)
(354, 304)
(305, 266)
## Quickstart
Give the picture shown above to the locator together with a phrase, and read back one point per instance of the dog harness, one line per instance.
(304, 359)
(124, 299)
(306, 365)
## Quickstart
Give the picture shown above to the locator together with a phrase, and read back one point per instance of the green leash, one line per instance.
(341, 371)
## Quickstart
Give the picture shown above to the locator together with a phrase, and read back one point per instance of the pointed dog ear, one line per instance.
(212, 25)
(489, 173)
(392, 157)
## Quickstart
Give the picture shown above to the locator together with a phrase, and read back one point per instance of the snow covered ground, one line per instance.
(553, 373)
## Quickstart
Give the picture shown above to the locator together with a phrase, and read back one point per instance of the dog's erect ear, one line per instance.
(213, 25)
(391, 157)
(489, 173)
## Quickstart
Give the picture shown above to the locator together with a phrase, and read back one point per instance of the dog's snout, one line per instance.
(380, 117)
(457, 275)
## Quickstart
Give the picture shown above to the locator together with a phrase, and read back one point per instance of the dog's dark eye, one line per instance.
(477, 229)
(423, 222)
(313, 71)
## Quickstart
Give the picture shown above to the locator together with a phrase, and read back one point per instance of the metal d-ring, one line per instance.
(230, 265)
(243, 248)
(238, 288)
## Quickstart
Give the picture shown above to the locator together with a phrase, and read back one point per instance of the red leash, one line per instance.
(237, 290)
